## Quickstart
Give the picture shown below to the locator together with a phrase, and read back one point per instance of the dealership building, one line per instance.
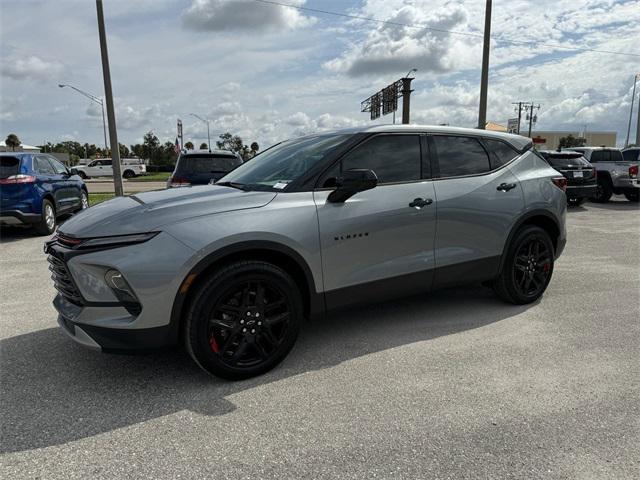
(551, 139)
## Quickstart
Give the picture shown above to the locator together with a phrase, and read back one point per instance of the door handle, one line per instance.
(505, 187)
(418, 203)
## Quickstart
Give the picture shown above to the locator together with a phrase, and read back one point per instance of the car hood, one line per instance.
(146, 212)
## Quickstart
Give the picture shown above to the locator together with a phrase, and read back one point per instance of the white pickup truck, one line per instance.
(103, 167)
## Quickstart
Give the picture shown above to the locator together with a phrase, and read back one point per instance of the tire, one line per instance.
(243, 320)
(633, 196)
(128, 174)
(84, 201)
(525, 267)
(82, 175)
(604, 192)
(47, 223)
(575, 202)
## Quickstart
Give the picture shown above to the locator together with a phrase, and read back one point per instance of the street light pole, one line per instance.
(99, 101)
(633, 97)
(208, 134)
(106, 73)
(484, 77)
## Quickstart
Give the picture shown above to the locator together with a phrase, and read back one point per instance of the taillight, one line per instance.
(633, 171)
(560, 182)
(179, 182)
(21, 178)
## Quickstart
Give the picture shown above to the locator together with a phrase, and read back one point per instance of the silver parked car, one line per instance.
(310, 225)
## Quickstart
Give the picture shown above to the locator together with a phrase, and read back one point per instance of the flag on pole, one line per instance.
(177, 146)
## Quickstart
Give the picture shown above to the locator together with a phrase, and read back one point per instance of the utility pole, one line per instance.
(111, 117)
(638, 120)
(519, 104)
(530, 115)
(484, 78)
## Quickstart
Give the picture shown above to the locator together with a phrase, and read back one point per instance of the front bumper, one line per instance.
(16, 217)
(88, 310)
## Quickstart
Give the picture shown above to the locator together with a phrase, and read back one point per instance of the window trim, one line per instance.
(424, 157)
(435, 161)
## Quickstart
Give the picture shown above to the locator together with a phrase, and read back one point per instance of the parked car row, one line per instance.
(597, 173)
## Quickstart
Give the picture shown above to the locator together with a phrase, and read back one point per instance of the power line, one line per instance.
(441, 30)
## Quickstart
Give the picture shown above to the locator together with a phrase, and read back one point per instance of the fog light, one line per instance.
(123, 291)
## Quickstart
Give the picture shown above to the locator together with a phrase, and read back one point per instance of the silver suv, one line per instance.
(308, 226)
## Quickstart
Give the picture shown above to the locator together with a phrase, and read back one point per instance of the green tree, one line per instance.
(188, 146)
(570, 141)
(150, 147)
(124, 151)
(204, 146)
(138, 150)
(12, 141)
(230, 142)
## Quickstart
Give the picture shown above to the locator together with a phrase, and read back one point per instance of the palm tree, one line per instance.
(12, 141)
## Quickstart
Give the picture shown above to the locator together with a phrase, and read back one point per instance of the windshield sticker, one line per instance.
(281, 184)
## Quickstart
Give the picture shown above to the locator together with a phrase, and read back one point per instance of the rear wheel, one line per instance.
(128, 174)
(47, 223)
(603, 192)
(633, 196)
(527, 268)
(244, 320)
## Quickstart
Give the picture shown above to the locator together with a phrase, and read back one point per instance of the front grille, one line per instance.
(62, 280)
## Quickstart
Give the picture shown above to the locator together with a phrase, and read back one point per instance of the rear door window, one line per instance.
(43, 166)
(500, 153)
(9, 166)
(57, 166)
(459, 156)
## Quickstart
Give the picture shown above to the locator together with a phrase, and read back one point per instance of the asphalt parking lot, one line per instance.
(453, 384)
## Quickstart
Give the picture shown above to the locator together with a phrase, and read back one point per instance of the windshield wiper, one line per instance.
(238, 185)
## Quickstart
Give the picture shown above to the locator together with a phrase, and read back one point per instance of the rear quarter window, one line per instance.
(500, 153)
(9, 166)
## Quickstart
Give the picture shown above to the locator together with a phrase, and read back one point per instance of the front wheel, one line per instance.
(243, 320)
(633, 196)
(82, 175)
(527, 268)
(84, 201)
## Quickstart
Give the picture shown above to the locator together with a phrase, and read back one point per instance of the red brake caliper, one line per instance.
(214, 344)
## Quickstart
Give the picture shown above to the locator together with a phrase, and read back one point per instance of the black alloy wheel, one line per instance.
(527, 268)
(532, 267)
(603, 191)
(244, 320)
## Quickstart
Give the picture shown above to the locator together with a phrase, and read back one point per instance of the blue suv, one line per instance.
(35, 189)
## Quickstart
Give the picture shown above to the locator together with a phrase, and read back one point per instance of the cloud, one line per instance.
(396, 49)
(30, 67)
(220, 15)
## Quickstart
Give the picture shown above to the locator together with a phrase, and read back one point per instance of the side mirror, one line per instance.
(352, 182)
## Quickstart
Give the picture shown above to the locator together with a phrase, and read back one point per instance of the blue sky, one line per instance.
(269, 73)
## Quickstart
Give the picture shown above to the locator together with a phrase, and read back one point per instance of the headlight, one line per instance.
(115, 241)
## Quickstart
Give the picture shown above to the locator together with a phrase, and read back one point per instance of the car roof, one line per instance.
(555, 153)
(584, 149)
(16, 154)
(517, 141)
(213, 151)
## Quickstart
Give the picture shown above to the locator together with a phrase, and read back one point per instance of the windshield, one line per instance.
(280, 165)
(9, 166)
(207, 163)
(563, 160)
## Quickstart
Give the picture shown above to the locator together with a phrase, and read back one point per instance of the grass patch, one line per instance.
(152, 177)
(95, 198)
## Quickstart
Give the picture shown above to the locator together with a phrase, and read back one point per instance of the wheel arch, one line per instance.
(539, 218)
(275, 253)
